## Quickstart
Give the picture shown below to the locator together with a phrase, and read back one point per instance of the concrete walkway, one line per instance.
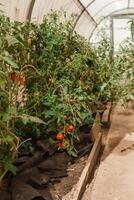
(114, 179)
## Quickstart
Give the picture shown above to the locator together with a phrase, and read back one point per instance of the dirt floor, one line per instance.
(114, 178)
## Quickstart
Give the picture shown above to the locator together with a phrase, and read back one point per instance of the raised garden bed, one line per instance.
(51, 175)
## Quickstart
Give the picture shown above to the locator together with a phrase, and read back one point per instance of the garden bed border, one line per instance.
(96, 136)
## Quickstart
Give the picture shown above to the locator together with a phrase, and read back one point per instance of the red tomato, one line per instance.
(69, 128)
(60, 136)
(12, 76)
(21, 79)
(61, 145)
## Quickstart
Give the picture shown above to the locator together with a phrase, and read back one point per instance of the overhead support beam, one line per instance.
(123, 13)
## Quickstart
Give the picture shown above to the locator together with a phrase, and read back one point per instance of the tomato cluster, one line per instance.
(12, 76)
(20, 78)
(69, 129)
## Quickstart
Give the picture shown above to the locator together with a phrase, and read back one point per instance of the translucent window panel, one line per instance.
(85, 26)
(5, 6)
(43, 7)
(19, 9)
(131, 4)
(40, 9)
(106, 7)
(98, 5)
(121, 31)
(16, 9)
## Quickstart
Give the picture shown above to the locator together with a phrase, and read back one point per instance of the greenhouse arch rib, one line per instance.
(83, 10)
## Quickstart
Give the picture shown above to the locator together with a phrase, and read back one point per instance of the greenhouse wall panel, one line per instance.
(85, 25)
(16, 9)
(107, 7)
(131, 4)
(39, 11)
(5, 6)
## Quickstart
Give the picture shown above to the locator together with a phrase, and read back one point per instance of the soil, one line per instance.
(74, 171)
(47, 174)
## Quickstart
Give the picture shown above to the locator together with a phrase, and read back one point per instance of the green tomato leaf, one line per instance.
(12, 40)
(8, 139)
(10, 61)
(28, 118)
(9, 166)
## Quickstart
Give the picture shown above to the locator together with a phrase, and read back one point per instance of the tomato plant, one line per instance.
(13, 95)
(54, 78)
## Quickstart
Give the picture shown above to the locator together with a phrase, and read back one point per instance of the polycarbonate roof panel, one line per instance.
(131, 4)
(43, 7)
(102, 8)
(85, 26)
(15, 9)
(86, 2)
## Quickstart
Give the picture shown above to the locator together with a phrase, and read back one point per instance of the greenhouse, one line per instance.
(66, 99)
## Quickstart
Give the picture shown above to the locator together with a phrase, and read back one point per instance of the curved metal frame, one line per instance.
(84, 9)
(92, 17)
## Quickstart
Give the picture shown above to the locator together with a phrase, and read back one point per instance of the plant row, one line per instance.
(52, 81)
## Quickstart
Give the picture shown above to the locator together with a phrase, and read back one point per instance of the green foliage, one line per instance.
(125, 61)
(112, 73)
(14, 51)
(60, 91)
(50, 78)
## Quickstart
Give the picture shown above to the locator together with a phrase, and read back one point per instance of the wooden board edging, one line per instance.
(86, 174)
(78, 190)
